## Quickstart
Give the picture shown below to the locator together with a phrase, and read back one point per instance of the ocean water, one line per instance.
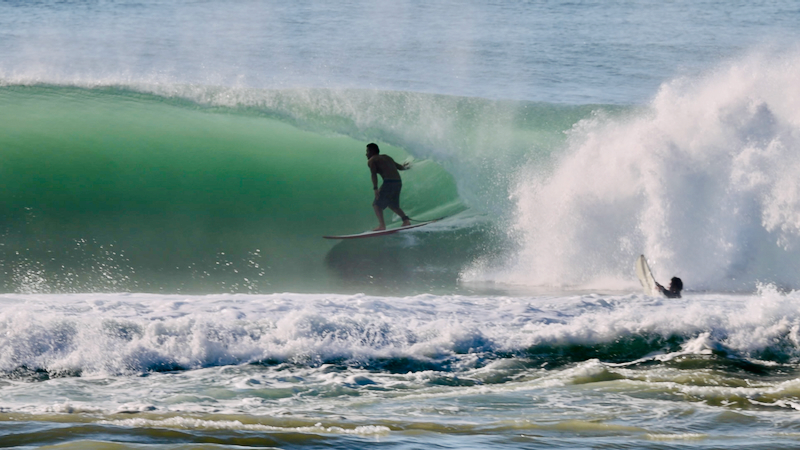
(167, 171)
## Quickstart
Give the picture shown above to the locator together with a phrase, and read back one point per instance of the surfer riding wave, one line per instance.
(389, 193)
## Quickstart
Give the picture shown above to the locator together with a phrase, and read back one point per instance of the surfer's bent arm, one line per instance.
(374, 173)
(403, 166)
(374, 181)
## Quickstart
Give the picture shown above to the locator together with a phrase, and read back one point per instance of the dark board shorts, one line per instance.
(389, 194)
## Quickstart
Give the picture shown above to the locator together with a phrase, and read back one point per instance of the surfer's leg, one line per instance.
(379, 213)
(393, 202)
(403, 216)
(384, 199)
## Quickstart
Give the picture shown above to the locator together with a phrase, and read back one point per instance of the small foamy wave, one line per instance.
(186, 423)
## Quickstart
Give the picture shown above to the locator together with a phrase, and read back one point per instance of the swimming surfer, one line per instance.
(389, 193)
(675, 287)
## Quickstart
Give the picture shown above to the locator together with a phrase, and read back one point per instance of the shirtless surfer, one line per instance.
(675, 287)
(389, 193)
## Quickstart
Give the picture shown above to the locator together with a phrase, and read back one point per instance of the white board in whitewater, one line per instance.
(645, 276)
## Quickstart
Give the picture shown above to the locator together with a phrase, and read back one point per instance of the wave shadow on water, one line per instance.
(420, 261)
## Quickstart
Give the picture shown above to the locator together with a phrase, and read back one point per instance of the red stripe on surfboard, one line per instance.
(368, 234)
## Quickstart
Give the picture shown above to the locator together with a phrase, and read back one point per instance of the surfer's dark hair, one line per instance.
(373, 147)
(676, 283)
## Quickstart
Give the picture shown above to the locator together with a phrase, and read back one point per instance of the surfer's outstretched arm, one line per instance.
(674, 290)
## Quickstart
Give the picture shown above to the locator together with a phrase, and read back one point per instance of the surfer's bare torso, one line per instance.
(384, 166)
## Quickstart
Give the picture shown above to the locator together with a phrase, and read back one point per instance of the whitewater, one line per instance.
(319, 369)
(168, 170)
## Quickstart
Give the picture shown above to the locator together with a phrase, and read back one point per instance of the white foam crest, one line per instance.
(102, 334)
(188, 423)
(704, 182)
(108, 334)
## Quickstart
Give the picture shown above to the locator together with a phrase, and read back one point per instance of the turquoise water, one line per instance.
(113, 189)
(168, 170)
(134, 192)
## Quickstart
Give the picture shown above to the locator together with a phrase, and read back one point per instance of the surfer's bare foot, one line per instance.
(380, 228)
(406, 223)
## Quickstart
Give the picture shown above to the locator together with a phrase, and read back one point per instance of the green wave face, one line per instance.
(110, 191)
(202, 189)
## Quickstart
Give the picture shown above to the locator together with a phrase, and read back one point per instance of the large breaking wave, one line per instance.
(174, 188)
(185, 188)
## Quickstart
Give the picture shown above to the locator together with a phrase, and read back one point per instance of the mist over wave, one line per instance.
(703, 181)
(476, 140)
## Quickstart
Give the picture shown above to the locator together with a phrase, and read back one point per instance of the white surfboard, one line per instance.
(645, 276)
(367, 234)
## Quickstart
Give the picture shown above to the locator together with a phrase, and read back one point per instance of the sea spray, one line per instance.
(703, 181)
